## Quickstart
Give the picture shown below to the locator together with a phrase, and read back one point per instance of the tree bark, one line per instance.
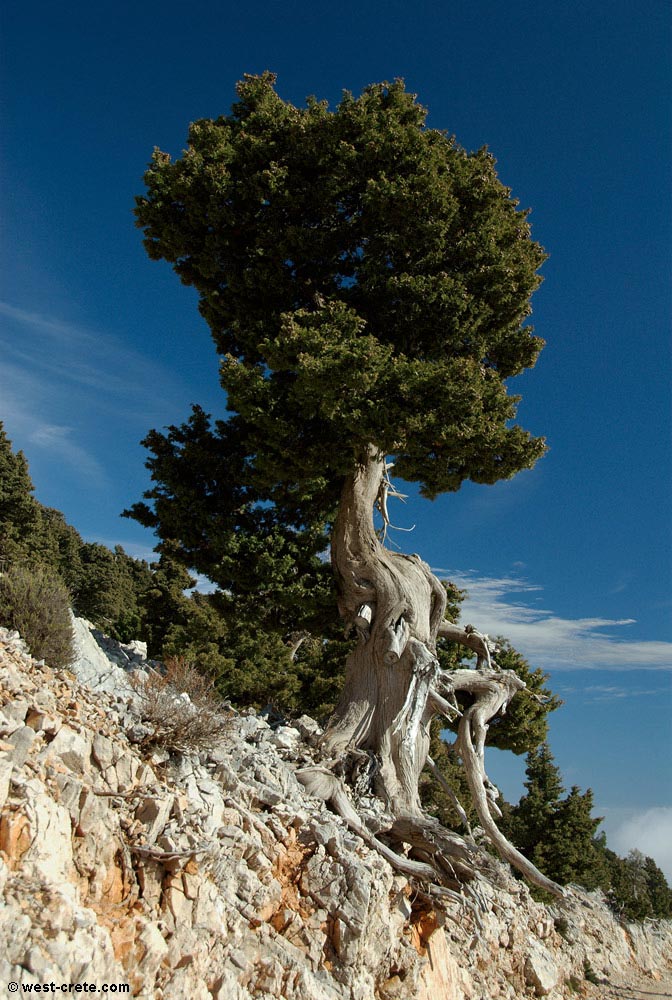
(396, 605)
(394, 686)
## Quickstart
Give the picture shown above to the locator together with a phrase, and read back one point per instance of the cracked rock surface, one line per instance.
(213, 874)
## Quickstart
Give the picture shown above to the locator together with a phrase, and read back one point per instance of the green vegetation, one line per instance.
(559, 834)
(637, 887)
(130, 598)
(556, 833)
(367, 285)
(36, 603)
(350, 263)
(251, 663)
(105, 587)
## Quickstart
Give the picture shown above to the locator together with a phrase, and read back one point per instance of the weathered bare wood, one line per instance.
(393, 686)
(325, 785)
(473, 765)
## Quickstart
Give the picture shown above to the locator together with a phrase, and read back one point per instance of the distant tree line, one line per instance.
(252, 661)
(255, 656)
(558, 833)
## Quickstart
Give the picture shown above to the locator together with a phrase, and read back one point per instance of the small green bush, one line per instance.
(35, 601)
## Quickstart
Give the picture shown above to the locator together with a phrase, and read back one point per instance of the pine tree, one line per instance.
(367, 284)
(531, 818)
(568, 852)
(19, 511)
(659, 891)
(110, 590)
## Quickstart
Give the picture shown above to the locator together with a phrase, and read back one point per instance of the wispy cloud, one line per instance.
(649, 831)
(28, 414)
(62, 386)
(607, 692)
(59, 441)
(509, 606)
(51, 349)
(56, 328)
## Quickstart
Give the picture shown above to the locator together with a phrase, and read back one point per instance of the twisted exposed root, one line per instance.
(478, 784)
(324, 785)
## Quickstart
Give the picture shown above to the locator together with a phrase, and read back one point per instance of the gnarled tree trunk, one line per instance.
(394, 686)
(397, 606)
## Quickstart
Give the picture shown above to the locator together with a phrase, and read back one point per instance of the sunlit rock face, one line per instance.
(212, 874)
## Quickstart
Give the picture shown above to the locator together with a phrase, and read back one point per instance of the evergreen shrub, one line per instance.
(35, 601)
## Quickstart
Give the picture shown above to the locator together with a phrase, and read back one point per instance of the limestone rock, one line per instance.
(541, 972)
(214, 875)
(72, 748)
(96, 664)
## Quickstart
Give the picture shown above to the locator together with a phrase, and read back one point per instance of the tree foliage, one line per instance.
(558, 833)
(106, 587)
(212, 516)
(366, 282)
(638, 889)
(19, 511)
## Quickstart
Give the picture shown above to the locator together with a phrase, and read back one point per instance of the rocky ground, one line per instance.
(637, 987)
(211, 874)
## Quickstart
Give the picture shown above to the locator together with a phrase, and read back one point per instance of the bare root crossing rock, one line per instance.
(220, 874)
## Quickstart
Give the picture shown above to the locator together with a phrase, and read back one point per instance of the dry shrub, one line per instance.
(35, 601)
(195, 722)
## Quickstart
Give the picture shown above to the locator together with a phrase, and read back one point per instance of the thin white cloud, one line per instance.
(52, 352)
(649, 832)
(57, 367)
(55, 328)
(62, 387)
(502, 606)
(58, 441)
(611, 692)
(29, 410)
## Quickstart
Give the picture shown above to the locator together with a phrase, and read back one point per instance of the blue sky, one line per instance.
(97, 344)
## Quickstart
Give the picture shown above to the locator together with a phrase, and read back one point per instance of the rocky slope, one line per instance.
(212, 874)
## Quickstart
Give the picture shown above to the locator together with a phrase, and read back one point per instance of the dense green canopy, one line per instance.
(366, 281)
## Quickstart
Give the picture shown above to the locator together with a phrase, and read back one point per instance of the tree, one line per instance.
(559, 835)
(213, 516)
(638, 888)
(110, 590)
(367, 284)
(19, 511)
(531, 818)
(659, 891)
(569, 852)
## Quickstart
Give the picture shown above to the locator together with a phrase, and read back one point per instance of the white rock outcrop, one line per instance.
(214, 875)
